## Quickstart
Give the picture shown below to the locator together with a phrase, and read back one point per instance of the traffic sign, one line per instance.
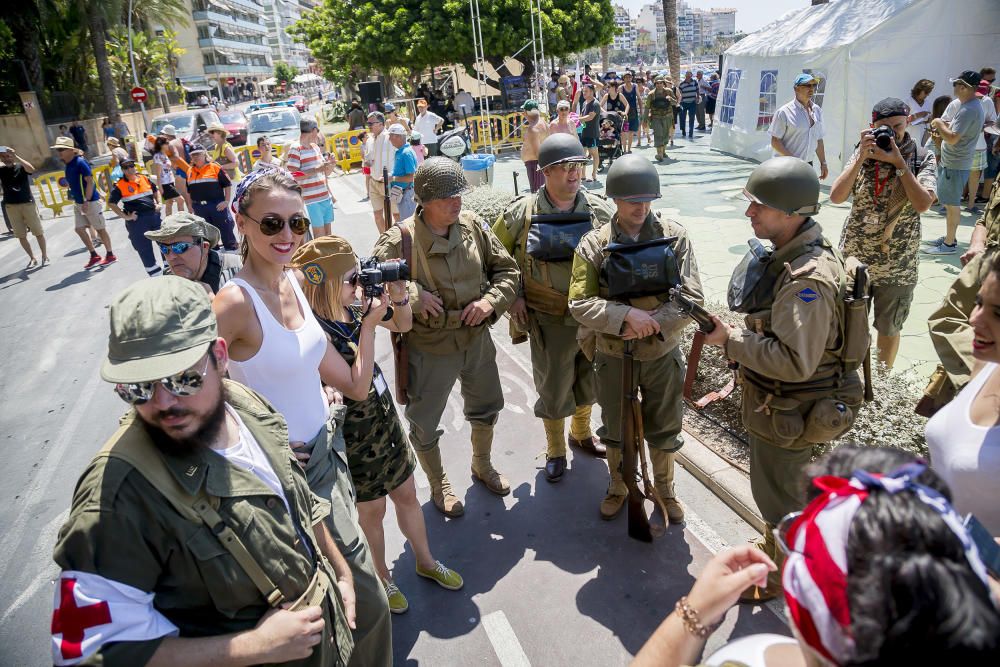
(138, 94)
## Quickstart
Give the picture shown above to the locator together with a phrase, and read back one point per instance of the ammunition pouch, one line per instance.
(640, 269)
(940, 390)
(554, 237)
(857, 336)
(800, 418)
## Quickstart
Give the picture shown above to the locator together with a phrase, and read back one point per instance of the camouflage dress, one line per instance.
(378, 453)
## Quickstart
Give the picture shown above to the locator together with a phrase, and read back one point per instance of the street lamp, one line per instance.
(135, 76)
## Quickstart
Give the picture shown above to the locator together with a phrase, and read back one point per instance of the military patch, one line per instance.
(313, 273)
(807, 295)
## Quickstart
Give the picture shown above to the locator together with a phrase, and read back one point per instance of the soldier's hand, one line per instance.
(284, 635)
(430, 304)
(519, 311)
(476, 312)
(971, 253)
(720, 334)
(347, 594)
(639, 324)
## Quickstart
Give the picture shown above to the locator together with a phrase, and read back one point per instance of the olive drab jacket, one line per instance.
(512, 230)
(605, 318)
(122, 529)
(467, 265)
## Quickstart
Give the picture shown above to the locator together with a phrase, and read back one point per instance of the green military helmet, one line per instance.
(560, 147)
(633, 178)
(438, 178)
(785, 183)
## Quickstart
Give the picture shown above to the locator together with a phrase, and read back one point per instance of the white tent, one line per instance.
(863, 51)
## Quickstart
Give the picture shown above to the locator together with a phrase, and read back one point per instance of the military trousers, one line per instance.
(432, 377)
(329, 477)
(661, 129)
(660, 382)
(564, 379)
(777, 477)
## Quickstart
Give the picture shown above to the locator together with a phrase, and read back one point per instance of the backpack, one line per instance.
(187, 149)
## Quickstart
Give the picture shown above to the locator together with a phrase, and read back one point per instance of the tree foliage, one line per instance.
(414, 34)
(155, 58)
(284, 72)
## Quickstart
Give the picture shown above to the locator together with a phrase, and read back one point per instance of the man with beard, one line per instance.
(193, 537)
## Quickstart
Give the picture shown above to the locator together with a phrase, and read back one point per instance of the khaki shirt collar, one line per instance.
(809, 234)
(431, 242)
(650, 230)
(545, 205)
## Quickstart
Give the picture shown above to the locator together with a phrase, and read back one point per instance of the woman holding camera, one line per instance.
(378, 452)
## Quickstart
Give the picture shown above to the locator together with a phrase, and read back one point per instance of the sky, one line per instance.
(751, 15)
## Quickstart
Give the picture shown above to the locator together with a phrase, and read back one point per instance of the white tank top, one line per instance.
(285, 369)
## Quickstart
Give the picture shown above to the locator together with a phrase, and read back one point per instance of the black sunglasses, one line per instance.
(271, 224)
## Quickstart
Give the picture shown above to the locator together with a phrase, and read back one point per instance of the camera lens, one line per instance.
(883, 138)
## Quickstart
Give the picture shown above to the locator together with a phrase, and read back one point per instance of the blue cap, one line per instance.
(804, 78)
(389, 106)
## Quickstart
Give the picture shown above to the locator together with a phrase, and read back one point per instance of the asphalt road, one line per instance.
(547, 582)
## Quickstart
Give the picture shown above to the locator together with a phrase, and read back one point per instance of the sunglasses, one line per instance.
(781, 531)
(352, 279)
(178, 248)
(570, 167)
(185, 383)
(272, 224)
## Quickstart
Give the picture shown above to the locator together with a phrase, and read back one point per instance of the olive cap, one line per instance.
(325, 257)
(159, 327)
(185, 224)
(632, 178)
(438, 178)
(560, 147)
(785, 183)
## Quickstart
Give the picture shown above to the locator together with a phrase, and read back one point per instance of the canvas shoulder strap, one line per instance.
(408, 232)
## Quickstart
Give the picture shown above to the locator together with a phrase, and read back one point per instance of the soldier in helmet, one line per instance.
(462, 281)
(660, 113)
(564, 379)
(653, 322)
(797, 389)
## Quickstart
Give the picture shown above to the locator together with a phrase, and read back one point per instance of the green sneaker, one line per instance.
(397, 601)
(445, 577)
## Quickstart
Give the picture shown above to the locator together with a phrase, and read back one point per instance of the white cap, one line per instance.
(169, 130)
(397, 128)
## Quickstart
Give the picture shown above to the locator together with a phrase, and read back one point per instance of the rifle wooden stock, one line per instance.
(632, 440)
(386, 201)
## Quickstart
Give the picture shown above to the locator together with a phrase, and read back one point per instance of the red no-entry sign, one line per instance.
(138, 94)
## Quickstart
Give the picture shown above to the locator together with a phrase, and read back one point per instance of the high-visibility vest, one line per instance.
(209, 173)
(133, 190)
(203, 183)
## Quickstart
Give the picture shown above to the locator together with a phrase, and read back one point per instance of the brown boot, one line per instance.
(663, 479)
(614, 501)
(482, 467)
(756, 594)
(442, 495)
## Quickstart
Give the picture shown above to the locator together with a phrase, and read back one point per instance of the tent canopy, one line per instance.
(308, 77)
(269, 82)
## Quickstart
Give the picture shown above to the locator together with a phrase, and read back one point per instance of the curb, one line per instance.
(728, 483)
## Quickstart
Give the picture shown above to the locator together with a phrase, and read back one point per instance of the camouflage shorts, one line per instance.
(378, 453)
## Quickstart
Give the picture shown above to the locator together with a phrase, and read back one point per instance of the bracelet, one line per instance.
(692, 623)
(400, 304)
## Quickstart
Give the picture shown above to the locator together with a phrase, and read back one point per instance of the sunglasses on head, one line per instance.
(271, 224)
(178, 248)
(185, 383)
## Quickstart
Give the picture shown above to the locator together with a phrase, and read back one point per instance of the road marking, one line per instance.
(504, 641)
(41, 554)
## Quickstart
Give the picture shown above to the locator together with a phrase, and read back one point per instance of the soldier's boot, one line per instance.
(482, 468)
(773, 588)
(663, 480)
(614, 501)
(555, 449)
(581, 435)
(441, 492)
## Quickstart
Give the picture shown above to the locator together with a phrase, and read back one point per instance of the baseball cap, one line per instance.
(969, 78)
(983, 88)
(307, 125)
(529, 105)
(6, 149)
(159, 327)
(803, 79)
(397, 128)
(169, 130)
(416, 136)
(389, 106)
(63, 142)
(327, 256)
(376, 117)
(562, 104)
(125, 164)
(421, 102)
(197, 148)
(889, 108)
(185, 224)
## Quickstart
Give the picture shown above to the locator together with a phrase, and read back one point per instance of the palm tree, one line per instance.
(673, 47)
(97, 26)
(605, 63)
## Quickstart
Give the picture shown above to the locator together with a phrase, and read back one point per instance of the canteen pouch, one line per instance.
(827, 419)
(633, 270)
(553, 238)
(777, 419)
(940, 390)
(857, 337)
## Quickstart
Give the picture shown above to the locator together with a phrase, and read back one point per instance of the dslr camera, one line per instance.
(883, 137)
(373, 274)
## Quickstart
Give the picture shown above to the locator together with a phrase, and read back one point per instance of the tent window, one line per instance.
(728, 110)
(768, 98)
(821, 88)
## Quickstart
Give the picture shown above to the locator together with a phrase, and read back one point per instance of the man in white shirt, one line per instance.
(428, 124)
(797, 127)
(383, 156)
(464, 99)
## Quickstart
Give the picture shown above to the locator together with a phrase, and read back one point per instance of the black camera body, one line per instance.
(883, 137)
(373, 274)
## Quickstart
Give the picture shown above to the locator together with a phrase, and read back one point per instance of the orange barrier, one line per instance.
(345, 148)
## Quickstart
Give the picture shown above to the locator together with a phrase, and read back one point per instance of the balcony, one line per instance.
(238, 69)
(212, 17)
(233, 44)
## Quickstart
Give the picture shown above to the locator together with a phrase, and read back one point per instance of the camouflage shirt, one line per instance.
(883, 230)
(991, 218)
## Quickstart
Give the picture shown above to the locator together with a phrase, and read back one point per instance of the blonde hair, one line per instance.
(324, 299)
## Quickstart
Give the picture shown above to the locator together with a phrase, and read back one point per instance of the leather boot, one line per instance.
(663, 479)
(756, 594)
(482, 468)
(555, 449)
(614, 501)
(441, 492)
(581, 435)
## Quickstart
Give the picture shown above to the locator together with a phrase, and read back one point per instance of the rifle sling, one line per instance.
(694, 358)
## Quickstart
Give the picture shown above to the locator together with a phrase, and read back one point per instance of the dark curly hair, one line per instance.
(913, 597)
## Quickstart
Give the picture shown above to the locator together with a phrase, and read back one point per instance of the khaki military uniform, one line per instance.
(949, 324)
(659, 366)
(793, 379)
(564, 378)
(123, 529)
(661, 116)
(467, 265)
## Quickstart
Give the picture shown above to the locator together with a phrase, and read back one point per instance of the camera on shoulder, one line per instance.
(373, 274)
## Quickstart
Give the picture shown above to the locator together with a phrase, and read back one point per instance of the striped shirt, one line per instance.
(689, 91)
(304, 159)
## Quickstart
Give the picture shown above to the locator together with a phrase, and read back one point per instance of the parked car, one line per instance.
(235, 122)
(279, 124)
(300, 102)
(190, 124)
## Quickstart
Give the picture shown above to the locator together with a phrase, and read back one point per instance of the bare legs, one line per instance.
(410, 518)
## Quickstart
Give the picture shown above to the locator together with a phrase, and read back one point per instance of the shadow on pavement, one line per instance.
(70, 280)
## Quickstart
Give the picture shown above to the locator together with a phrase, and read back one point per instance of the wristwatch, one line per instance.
(400, 304)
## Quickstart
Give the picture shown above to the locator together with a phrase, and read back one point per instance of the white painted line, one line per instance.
(504, 641)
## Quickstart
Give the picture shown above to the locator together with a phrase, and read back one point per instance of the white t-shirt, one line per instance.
(166, 169)
(425, 124)
(467, 100)
(247, 454)
(791, 124)
(748, 650)
(967, 456)
(919, 108)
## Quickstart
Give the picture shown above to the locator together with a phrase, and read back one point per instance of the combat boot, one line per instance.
(663, 480)
(482, 468)
(441, 492)
(580, 434)
(614, 501)
(555, 449)
(773, 589)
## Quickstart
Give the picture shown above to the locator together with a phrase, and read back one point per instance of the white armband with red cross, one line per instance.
(89, 611)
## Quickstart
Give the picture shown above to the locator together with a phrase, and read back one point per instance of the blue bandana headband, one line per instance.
(244, 185)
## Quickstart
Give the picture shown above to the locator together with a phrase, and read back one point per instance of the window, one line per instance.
(821, 88)
(732, 84)
(768, 102)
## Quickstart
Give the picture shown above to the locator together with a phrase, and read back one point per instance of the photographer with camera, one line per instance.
(891, 187)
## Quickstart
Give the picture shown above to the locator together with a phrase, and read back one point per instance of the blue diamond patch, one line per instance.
(807, 295)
